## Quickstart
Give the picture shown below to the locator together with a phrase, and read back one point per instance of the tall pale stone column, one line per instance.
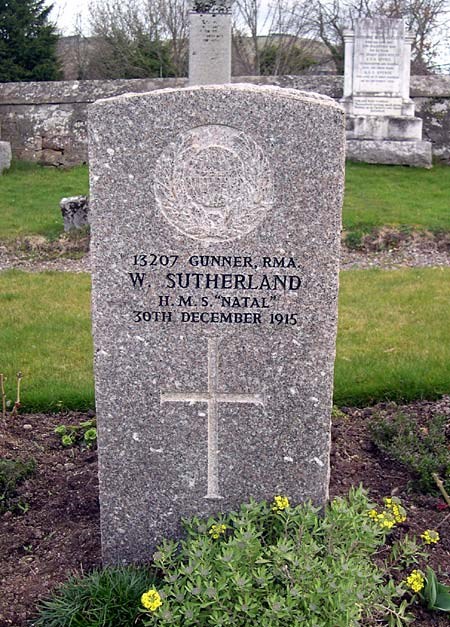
(349, 40)
(408, 105)
(210, 43)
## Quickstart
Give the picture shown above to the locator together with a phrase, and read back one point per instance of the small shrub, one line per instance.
(423, 450)
(107, 598)
(7, 403)
(277, 566)
(267, 564)
(12, 474)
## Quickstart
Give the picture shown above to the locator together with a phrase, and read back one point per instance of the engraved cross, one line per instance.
(212, 398)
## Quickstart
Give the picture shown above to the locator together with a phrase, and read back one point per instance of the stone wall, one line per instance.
(46, 122)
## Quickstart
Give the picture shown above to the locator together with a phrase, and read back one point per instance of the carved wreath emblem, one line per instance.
(213, 183)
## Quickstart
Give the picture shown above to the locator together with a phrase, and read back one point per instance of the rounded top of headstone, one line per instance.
(229, 89)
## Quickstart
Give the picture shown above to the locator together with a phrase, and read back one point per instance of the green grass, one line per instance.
(396, 196)
(45, 333)
(30, 195)
(393, 340)
(376, 196)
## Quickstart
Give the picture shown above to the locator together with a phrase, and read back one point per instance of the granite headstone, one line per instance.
(215, 252)
(381, 127)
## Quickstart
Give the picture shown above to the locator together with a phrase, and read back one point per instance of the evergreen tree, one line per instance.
(27, 42)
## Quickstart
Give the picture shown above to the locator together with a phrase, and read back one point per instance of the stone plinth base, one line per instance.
(383, 127)
(415, 153)
(5, 156)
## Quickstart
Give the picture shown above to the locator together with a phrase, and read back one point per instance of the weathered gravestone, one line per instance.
(210, 42)
(5, 155)
(215, 217)
(381, 127)
(75, 212)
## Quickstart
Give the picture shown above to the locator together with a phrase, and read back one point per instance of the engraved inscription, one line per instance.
(215, 289)
(213, 183)
(377, 55)
(212, 398)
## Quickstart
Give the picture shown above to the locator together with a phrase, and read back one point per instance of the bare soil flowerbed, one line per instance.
(58, 534)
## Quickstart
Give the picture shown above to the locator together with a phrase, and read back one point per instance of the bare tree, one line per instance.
(272, 38)
(172, 16)
(428, 21)
(138, 38)
(81, 53)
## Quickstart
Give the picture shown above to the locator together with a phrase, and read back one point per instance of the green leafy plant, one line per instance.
(84, 434)
(423, 450)
(12, 474)
(435, 595)
(266, 564)
(276, 565)
(103, 598)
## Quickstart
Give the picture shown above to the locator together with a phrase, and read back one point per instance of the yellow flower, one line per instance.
(280, 503)
(385, 520)
(399, 513)
(217, 530)
(430, 537)
(151, 600)
(373, 514)
(415, 581)
(394, 505)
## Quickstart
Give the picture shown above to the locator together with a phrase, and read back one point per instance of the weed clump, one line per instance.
(423, 450)
(12, 474)
(104, 598)
(84, 434)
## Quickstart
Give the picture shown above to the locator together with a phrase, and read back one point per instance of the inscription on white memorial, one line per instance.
(371, 105)
(213, 183)
(377, 63)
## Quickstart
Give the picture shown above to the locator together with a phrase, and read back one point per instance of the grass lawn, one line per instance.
(45, 333)
(30, 195)
(376, 195)
(396, 196)
(393, 340)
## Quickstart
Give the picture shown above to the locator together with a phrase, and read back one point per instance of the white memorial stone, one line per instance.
(376, 95)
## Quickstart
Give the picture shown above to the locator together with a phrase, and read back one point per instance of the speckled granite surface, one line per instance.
(215, 248)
